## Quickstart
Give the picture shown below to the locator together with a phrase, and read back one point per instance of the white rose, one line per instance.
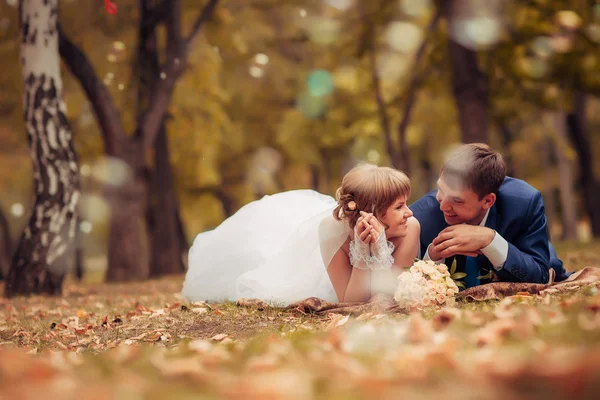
(428, 269)
(440, 298)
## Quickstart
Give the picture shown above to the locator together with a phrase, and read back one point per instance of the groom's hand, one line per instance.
(463, 239)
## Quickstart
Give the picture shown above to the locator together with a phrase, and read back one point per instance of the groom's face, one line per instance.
(460, 205)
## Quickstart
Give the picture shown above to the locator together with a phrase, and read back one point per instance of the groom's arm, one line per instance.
(528, 258)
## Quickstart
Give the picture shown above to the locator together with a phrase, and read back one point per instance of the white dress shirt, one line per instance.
(496, 251)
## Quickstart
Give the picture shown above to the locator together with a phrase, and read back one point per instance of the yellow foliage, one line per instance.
(200, 212)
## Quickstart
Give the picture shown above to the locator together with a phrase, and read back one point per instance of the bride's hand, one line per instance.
(376, 227)
(363, 230)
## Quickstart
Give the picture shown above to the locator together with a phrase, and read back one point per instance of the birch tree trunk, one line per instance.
(46, 247)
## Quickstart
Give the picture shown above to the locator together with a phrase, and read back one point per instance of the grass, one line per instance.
(140, 340)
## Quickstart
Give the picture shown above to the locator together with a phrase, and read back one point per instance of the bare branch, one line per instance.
(150, 121)
(416, 80)
(107, 115)
(205, 14)
(384, 118)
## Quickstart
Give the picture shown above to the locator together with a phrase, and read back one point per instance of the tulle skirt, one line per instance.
(275, 249)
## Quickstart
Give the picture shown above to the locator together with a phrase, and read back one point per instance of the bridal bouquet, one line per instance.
(426, 284)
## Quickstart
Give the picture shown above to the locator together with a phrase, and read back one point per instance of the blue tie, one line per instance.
(472, 271)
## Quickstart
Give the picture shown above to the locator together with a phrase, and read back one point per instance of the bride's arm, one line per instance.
(408, 248)
(350, 284)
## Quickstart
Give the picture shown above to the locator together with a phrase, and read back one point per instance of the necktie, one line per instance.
(472, 271)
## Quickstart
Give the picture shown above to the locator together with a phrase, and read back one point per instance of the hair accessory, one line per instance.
(351, 205)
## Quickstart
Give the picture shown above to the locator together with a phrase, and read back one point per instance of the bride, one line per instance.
(300, 243)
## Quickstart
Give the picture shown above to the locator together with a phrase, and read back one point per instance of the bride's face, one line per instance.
(396, 217)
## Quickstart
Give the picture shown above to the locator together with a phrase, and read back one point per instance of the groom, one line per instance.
(494, 226)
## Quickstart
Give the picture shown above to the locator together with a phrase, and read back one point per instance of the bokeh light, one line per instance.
(94, 209)
(256, 71)
(568, 19)
(593, 31)
(263, 168)
(341, 5)
(415, 8)
(86, 226)
(476, 24)
(17, 209)
(85, 170)
(542, 46)
(310, 106)
(261, 59)
(320, 82)
(111, 171)
(117, 52)
(373, 156)
(562, 44)
(478, 33)
(535, 67)
(322, 30)
(391, 66)
(403, 36)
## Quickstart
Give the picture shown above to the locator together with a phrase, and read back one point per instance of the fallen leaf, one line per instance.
(219, 337)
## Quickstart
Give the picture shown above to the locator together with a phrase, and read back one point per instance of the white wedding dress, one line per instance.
(275, 249)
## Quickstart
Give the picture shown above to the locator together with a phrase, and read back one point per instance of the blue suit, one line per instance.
(518, 216)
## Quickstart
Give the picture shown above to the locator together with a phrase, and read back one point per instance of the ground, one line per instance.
(140, 340)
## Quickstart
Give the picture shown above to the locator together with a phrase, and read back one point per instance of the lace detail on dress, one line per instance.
(377, 256)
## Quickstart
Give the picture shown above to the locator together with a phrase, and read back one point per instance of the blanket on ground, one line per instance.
(496, 290)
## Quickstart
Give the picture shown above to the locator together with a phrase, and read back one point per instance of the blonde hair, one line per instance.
(372, 189)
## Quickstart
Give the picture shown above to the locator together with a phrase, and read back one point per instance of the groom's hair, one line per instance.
(475, 166)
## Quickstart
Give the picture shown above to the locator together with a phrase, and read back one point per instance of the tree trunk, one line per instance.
(565, 179)
(507, 138)
(78, 268)
(47, 244)
(125, 242)
(5, 245)
(163, 213)
(165, 241)
(127, 252)
(128, 258)
(578, 132)
(470, 88)
(548, 163)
